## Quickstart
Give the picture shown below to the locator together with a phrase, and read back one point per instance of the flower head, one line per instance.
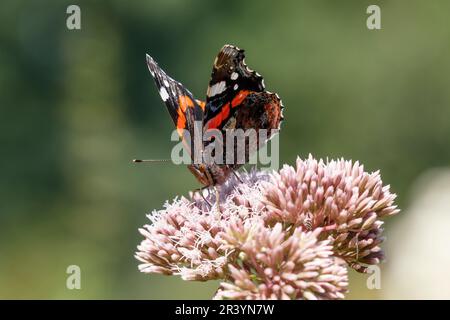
(285, 235)
(338, 196)
(282, 264)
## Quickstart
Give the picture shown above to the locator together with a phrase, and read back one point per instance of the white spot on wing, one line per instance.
(236, 86)
(166, 83)
(163, 93)
(234, 76)
(217, 88)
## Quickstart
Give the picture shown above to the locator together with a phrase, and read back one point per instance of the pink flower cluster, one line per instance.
(286, 235)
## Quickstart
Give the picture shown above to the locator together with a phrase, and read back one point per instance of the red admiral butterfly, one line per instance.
(235, 99)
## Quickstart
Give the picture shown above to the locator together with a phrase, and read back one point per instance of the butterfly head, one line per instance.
(210, 174)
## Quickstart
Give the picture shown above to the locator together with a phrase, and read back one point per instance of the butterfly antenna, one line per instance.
(151, 160)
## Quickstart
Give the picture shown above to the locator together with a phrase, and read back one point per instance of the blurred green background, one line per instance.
(77, 105)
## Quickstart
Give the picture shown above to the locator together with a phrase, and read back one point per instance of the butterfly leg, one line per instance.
(237, 176)
(210, 182)
(217, 198)
(200, 191)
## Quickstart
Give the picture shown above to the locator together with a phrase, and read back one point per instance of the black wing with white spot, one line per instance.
(230, 75)
(183, 108)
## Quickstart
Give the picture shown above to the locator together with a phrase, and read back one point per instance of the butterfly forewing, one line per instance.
(183, 108)
(231, 80)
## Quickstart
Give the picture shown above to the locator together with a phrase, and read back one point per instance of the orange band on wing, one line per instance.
(184, 102)
(220, 117)
(239, 98)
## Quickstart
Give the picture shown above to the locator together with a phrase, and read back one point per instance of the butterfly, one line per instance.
(235, 99)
